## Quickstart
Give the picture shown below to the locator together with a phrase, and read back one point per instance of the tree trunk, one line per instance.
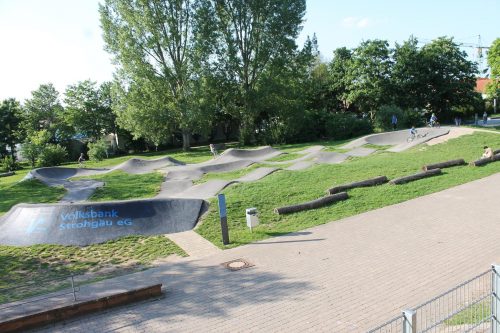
(312, 204)
(420, 175)
(484, 161)
(186, 137)
(13, 152)
(446, 164)
(363, 183)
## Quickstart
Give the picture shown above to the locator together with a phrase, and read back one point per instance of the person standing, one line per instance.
(485, 118)
(394, 122)
(81, 159)
(213, 150)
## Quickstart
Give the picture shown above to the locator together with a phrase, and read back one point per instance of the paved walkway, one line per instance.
(345, 276)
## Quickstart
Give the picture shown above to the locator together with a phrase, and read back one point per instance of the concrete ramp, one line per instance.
(256, 155)
(140, 166)
(90, 223)
(57, 175)
(330, 157)
(360, 152)
(397, 139)
(204, 190)
(194, 172)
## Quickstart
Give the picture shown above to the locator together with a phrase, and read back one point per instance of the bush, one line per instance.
(383, 117)
(8, 164)
(339, 126)
(98, 150)
(30, 151)
(406, 118)
(51, 155)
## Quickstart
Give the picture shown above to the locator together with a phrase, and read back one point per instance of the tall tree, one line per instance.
(252, 35)
(10, 119)
(339, 68)
(43, 111)
(493, 88)
(450, 76)
(88, 109)
(369, 76)
(156, 45)
(409, 79)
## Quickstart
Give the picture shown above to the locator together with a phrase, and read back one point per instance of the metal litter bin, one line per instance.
(252, 217)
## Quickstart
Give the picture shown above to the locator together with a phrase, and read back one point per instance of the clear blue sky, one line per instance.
(59, 41)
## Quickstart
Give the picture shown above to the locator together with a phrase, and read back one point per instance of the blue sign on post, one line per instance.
(223, 219)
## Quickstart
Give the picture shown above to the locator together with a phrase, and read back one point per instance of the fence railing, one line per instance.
(37, 291)
(472, 306)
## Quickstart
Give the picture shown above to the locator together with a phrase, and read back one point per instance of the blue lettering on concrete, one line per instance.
(79, 214)
(37, 226)
(93, 224)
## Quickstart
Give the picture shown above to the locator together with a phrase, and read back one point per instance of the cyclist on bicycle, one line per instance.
(413, 131)
(433, 120)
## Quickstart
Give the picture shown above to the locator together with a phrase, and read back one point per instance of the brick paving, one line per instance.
(345, 276)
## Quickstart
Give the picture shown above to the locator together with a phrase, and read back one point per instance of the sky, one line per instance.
(60, 41)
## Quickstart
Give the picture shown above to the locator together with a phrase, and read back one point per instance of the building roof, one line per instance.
(481, 83)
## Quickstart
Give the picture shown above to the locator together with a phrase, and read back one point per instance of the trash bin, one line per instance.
(252, 217)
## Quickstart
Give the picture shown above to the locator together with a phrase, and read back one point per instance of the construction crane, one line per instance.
(478, 56)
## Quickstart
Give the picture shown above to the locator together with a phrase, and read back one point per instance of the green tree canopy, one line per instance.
(10, 119)
(157, 46)
(493, 88)
(449, 76)
(43, 111)
(251, 36)
(369, 76)
(88, 109)
(339, 80)
(409, 80)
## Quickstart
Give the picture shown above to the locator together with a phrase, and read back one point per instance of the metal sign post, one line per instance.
(223, 219)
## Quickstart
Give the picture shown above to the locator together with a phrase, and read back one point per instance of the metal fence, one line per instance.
(394, 325)
(37, 291)
(472, 306)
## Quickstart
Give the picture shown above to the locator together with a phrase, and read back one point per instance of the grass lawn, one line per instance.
(13, 192)
(290, 187)
(18, 265)
(119, 186)
(123, 186)
(472, 315)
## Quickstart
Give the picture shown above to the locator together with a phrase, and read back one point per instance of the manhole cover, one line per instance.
(237, 264)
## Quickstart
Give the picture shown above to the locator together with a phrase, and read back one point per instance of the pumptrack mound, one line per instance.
(177, 207)
(89, 223)
(397, 139)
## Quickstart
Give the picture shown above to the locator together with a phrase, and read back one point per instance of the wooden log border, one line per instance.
(312, 204)
(420, 175)
(442, 165)
(364, 183)
(484, 161)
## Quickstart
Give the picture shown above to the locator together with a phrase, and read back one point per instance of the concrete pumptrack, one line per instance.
(75, 221)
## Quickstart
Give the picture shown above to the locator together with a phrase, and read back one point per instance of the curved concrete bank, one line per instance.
(90, 223)
(397, 139)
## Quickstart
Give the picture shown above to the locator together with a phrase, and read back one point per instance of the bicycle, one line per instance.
(434, 124)
(415, 136)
